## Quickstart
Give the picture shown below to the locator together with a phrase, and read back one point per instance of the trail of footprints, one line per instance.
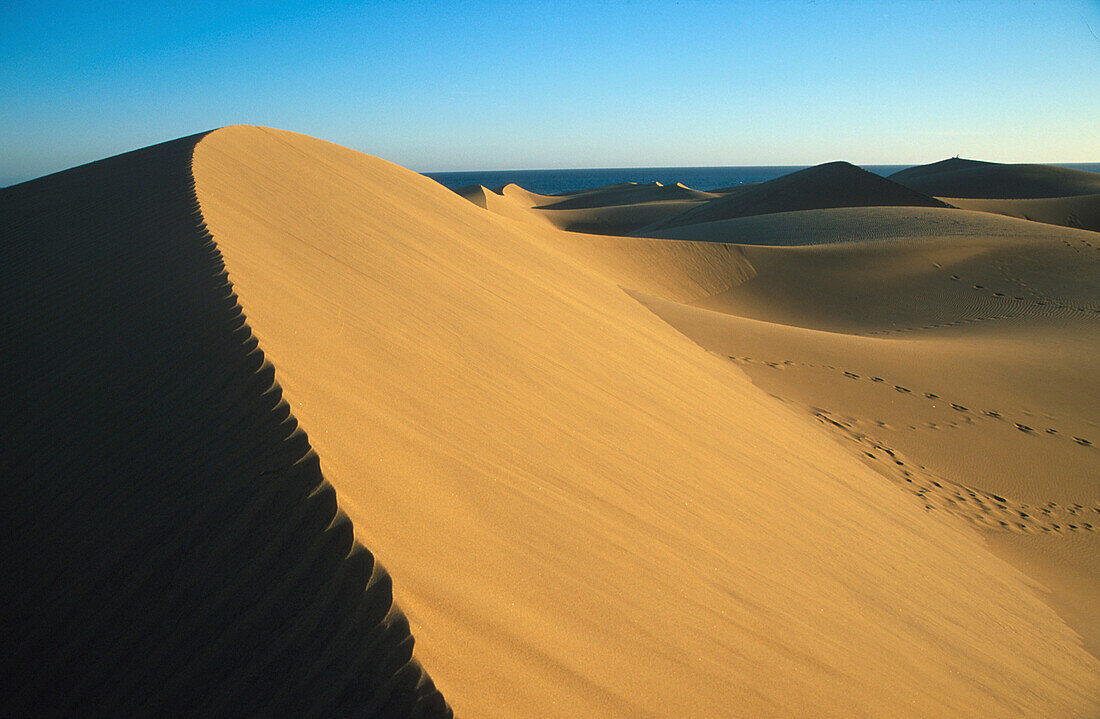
(1032, 424)
(984, 509)
(1074, 246)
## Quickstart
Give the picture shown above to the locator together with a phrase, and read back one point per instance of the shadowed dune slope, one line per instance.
(616, 219)
(1081, 211)
(834, 184)
(170, 545)
(587, 514)
(992, 180)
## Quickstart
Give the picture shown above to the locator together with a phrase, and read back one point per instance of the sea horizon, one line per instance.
(556, 181)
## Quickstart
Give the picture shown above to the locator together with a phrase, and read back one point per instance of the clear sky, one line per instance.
(487, 85)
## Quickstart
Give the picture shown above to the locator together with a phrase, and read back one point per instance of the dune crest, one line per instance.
(171, 545)
(586, 514)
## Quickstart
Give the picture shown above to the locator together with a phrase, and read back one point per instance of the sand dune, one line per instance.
(1081, 211)
(584, 512)
(569, 450)
(854, 224)
(834, 184)
(992, 180)
(171, 545)
(994, 363)
(970, 380)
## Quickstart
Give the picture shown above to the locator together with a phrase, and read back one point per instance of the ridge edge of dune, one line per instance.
(161, 467)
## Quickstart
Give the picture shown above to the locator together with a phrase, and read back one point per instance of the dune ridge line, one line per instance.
(177, 548)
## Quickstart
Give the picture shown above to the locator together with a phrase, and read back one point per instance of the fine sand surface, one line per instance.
(1081, 211)
(585, 512)
(609, 476)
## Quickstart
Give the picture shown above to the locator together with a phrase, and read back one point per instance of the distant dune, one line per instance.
(991, 180)
(613, 210)
(834, 184)
(610, 476)
(626, 194)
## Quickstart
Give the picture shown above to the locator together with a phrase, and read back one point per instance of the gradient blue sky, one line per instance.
(485, 85)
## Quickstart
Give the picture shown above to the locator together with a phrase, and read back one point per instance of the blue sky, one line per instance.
(487, 85)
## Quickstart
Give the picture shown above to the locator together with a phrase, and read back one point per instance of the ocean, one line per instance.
(553, 182)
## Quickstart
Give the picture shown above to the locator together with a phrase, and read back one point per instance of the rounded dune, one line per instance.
(992, 180)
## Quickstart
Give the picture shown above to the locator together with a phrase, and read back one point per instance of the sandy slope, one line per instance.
(512, 208)
(1082, 211)
(976, 179)
(585, 513)
(962, 364)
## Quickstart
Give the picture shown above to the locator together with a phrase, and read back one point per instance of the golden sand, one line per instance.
(824, 446)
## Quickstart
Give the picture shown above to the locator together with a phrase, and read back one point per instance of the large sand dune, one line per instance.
(170, 546)
(570, 451)
(958, 177)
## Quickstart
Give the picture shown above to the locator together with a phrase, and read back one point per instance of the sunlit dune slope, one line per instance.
(976, 179)
(504, 206)
(170, 547)
(964, 366)
(834, 184)
(585, 513)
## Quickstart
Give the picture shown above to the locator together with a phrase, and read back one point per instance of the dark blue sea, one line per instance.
(553, 182)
